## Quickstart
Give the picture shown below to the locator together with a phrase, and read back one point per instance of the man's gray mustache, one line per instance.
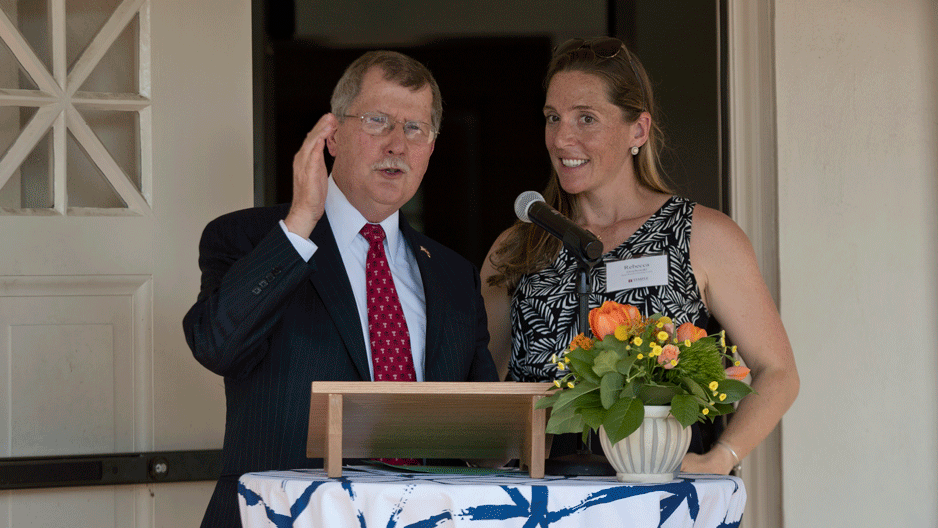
(391, 163)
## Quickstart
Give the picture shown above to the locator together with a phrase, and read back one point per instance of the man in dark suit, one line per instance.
(287, 295)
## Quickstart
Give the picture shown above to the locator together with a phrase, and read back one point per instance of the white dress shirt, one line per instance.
(346, 222)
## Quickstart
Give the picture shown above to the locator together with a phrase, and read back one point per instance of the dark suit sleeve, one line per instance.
(249, 271)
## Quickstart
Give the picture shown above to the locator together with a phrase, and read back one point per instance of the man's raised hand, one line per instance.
(310, 179)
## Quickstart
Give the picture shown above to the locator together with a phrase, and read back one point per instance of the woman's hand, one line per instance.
(718, 461)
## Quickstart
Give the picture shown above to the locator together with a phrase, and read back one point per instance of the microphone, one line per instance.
(585, 246)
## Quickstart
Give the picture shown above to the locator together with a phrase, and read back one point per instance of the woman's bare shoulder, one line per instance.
(717, 230)
(719, 250)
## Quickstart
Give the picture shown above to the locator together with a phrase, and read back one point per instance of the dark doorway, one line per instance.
(680, 43)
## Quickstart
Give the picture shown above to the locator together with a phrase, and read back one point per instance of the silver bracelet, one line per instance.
(726, 446)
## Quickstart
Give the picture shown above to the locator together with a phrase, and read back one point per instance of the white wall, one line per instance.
(857, 83)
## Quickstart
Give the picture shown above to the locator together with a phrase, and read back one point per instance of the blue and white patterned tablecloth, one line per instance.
(371, 497)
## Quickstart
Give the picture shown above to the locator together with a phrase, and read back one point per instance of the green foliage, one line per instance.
(564, 421)
(609, 388)
(735, 390)
(605, 362)
(568, 397)
(684, 408)
(623, 418)
(657, 394)
(608, 383)
(702, 361)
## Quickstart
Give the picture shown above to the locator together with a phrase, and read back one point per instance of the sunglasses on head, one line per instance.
(602, 48)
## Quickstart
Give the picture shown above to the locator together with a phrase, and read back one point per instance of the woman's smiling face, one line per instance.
(586, 135)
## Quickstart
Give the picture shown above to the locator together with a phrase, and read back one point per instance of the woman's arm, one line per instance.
(737, 296)
(497, 303)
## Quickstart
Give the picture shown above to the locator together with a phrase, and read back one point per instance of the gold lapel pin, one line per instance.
(425, 251)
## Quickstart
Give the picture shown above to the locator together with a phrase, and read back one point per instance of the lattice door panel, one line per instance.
(75, 113)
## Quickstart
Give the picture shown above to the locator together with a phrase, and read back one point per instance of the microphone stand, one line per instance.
(583, 462)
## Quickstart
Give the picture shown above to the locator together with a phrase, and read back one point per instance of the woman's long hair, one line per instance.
(528, 248)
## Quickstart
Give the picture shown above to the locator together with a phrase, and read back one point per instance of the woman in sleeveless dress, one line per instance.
(603, 141)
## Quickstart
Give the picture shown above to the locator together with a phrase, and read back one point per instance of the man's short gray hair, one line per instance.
(398, 68)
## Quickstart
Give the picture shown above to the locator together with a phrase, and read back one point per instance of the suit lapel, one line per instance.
(432, 294)
(331, 281)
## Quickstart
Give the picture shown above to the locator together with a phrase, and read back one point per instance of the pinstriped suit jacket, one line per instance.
(271, 324)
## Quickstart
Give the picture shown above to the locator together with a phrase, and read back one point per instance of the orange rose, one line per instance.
(688, 331)
(737, 373)
(605, 319)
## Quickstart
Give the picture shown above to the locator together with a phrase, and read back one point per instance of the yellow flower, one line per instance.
(660, 324)
(622, 332)
(722, 396)
(561, 366)
(665, 320)
(733, 349)
(737, 363)
(553, 358)
(655, 351)
(640, 356)
(662, 336)
(566, 360)
(637, 341)
(570, 384)
(557, 384)
(715, 393)
(705, 411)
(673, 362)
(713, 385)
(687, 342)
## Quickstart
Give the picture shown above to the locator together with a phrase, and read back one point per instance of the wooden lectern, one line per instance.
(391, 419)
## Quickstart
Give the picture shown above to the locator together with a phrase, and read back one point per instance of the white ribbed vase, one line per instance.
(653, 453)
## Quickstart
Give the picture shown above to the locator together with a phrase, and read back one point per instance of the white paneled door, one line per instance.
(125, 126)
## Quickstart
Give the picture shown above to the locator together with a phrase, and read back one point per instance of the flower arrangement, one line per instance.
(635, 361)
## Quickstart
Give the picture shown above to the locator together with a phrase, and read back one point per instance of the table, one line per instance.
(367, 496)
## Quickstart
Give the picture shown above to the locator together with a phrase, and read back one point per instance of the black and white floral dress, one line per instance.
(544, 305)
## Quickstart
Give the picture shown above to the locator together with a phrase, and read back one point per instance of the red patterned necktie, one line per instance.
(390, 341)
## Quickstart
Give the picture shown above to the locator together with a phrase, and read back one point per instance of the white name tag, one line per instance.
(637, 273)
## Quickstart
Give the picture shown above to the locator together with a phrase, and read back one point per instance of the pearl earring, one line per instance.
(635, 151)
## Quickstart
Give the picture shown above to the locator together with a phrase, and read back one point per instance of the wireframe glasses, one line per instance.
(603, 48)
(378, 124)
